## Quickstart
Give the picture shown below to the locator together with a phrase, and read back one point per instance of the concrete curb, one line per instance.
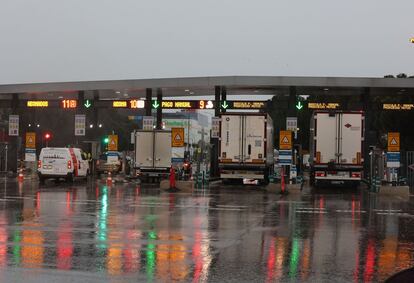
(402, 191)
(182, 186)
(291, 188)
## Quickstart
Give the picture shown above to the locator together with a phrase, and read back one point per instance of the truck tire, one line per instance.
(41, 179)
(312, 179)
(70, 178)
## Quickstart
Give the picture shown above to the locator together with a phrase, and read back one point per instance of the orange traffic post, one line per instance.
(20, 176)
(109, 179)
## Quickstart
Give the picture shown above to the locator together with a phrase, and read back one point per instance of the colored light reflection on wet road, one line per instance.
(125, 234)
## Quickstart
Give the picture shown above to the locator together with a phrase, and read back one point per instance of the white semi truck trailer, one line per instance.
(246, 147)
(152, 154)
(336, 146)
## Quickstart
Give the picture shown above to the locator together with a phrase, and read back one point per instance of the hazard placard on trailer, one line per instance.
(177, 137)
(30, 140)
(285, 140)
(113, 143)
(394, 142)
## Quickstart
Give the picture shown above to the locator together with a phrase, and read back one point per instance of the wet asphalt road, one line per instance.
(89, 232)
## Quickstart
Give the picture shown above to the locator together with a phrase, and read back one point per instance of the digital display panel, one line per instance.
(38, 103)
(324, 105)
(69, 103)
(247, 104)
(184, 104)
(398, 106)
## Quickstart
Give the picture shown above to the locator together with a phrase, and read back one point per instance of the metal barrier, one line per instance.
(4, 156)
(376, 168)
(409, 162)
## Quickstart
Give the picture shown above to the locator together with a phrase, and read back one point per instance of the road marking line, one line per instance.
(311, 211)
(350, 211)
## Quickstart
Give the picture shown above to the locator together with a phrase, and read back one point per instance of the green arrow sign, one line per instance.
(87, 103)
(155, 104)
(224, 105)
(299, 105)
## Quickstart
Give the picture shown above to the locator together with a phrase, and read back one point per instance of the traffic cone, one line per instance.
(21, 176)
(109, 179)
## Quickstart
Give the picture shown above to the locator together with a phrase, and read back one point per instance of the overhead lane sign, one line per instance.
(240, 104)
(183, 104)
(324, 105)
(37, 103)
(131, 104)
(398, 106)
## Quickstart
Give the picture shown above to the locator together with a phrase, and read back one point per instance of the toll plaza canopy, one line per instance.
(201, 86)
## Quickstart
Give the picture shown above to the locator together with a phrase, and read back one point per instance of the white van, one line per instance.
(60, 162)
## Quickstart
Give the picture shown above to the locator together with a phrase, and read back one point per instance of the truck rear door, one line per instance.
(326, 137)
(162, 152)
(231, 138)
(351, 138)
(254, 136)
(144, 143)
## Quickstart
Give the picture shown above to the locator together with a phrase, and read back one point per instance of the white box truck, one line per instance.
(246, 147)
(336, 145)
(152, 154)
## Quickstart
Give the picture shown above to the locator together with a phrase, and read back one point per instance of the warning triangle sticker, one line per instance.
(177, 137)
(30, 140)
(112, 142)
(393, 141)
(285, 140)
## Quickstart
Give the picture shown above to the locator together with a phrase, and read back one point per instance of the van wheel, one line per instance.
(70, 178)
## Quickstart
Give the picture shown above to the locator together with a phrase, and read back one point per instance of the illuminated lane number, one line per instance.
(69, 103)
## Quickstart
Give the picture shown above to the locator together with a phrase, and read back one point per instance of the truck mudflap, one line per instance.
(242, 175)
(153, 172)
(244, 166)
(320, 177)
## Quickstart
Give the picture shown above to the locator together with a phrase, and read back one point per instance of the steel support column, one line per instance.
(217, 101)
(292, 102)
(223, 97)
(370, 136)
(214, 170)
(148, 101)
(159, 109)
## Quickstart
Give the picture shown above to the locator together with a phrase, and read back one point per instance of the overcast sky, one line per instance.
(81, 40)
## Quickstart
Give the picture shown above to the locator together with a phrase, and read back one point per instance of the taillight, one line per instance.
(355, 174)
(39, 164)
(69, 164)
(320, 174)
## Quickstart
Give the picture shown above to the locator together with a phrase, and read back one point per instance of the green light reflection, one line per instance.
(294, 258)
(16, 247)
